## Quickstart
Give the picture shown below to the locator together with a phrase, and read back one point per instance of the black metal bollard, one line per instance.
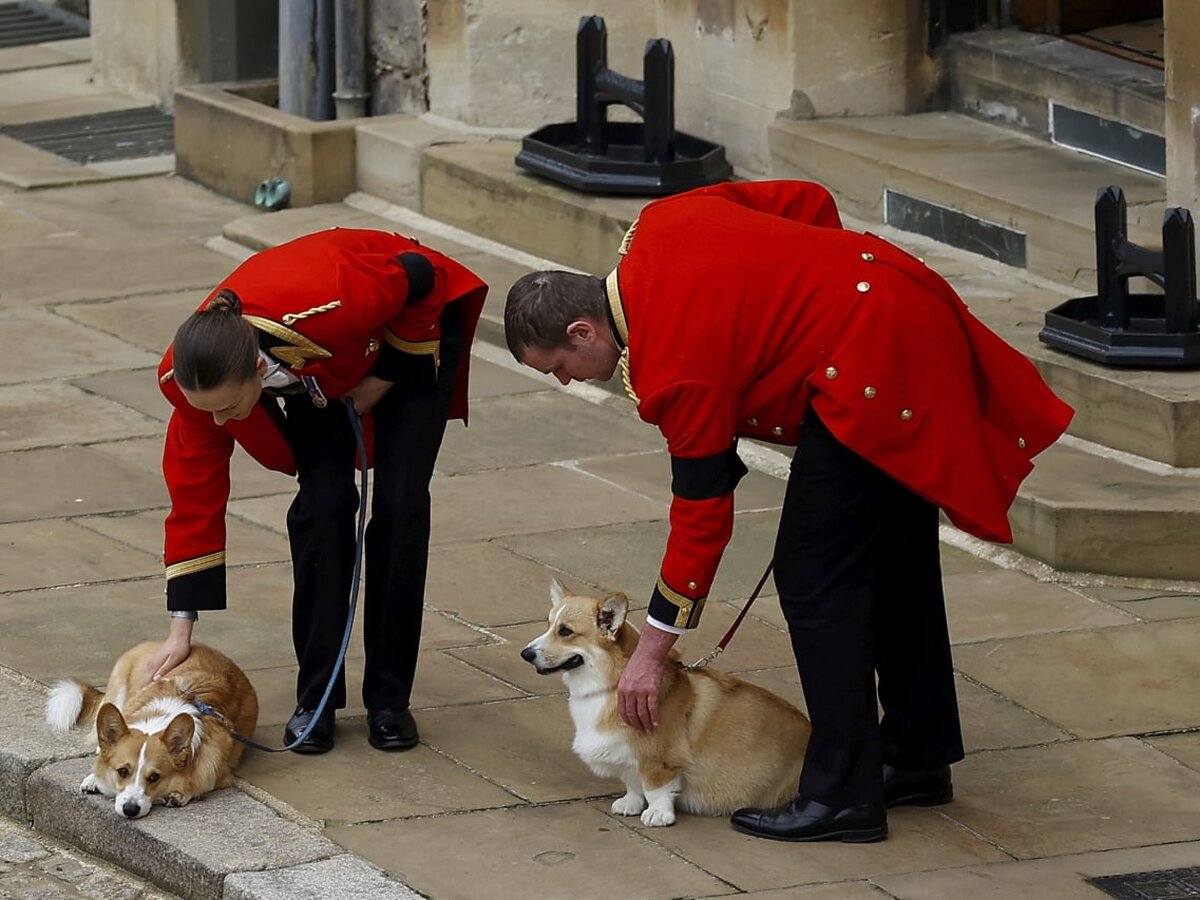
(1118, 328)
(595, 155)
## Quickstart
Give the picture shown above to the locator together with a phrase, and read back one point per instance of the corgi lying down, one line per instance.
(154, 745)
(721, 743)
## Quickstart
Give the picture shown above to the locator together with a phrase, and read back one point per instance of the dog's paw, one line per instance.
(654, 817)
(176, 799)
(629, 805)
(89, 785)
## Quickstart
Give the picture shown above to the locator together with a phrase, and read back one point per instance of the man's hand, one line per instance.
(367, 393)
(175, 649)
(637, 692)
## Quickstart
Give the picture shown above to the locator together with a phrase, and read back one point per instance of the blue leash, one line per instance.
(206, 710)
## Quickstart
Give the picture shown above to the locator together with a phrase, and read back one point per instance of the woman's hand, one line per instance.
(367, 393)
(175, 649)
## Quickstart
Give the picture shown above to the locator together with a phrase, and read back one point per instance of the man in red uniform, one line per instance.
(746, 310)
(265, 363)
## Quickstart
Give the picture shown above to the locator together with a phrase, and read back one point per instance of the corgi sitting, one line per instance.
(154, 744)
(721, 743)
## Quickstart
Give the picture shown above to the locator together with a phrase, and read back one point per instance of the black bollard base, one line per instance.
(1074, 327)
(556, 152)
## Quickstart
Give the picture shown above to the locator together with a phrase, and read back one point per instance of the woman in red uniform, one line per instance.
(265, 362)
(746, 310)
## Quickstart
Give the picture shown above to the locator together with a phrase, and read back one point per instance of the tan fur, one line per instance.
(728, 742)
(180, 756)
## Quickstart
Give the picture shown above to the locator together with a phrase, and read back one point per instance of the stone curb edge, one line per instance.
(226, 846)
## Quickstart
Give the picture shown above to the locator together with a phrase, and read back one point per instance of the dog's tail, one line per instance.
(71, 703)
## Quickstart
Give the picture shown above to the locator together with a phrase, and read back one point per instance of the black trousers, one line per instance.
(409, 426)
(858, 570)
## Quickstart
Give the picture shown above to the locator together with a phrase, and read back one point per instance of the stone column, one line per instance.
(1182, 21)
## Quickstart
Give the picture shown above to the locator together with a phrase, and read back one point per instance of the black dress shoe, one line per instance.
(319, 740)
(391, 729)
(917, 787)
(808, 820)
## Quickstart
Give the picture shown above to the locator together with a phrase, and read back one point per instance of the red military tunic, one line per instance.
(341, 304)
(743, 305)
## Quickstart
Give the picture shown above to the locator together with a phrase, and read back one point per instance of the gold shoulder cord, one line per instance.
(627, 380)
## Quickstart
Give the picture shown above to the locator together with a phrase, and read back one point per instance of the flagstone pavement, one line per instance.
(1079, 696)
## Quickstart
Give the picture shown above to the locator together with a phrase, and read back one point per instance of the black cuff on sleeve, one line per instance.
(672, 608)
(708, 476)
(419, 270)
(416, 371)
(197, 590)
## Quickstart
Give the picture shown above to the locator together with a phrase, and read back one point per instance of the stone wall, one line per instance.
(1182, 20)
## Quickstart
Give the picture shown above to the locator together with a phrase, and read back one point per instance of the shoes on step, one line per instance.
(917, 787)
(319, 740)
(808, 820)
(391, 729)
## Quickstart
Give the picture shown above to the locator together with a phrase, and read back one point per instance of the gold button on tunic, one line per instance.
(863, 286)
(831, 373)
(869, 393)
(906, 414)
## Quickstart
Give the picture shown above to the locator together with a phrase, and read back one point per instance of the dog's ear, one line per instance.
(110, 726)
(557, 593)
(178, 737)
(611, 615)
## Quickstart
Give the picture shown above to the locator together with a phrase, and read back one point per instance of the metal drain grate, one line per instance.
(33, 23)
(1167, 884)
(125, 134)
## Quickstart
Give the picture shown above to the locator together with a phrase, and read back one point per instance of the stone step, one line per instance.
(1079, 511)
(976, 186)
(1014, 78)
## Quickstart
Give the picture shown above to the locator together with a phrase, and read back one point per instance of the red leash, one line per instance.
(721, 644)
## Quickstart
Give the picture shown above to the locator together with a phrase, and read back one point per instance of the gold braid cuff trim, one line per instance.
(199, 564)
(300, 349)
(689, 609)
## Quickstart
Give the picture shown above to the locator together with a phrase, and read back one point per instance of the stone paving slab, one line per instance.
(352, 879)
(486, 584)
(489, 504)
(51, 53)
(55, 414)
(26, 167)
(522, 745)
(590, 553)
(85, 268)
(1061, 878)
(1002, 604)
(527, 852)
(40, 345)
(355, 782)
(521, 430)
(189, 850)
(1109, 681)
(1074, 797)
(136, 389)
(144, 531)
(25, 742)
(918, 839)
(59, 552)
(148, 321)
(74, 481)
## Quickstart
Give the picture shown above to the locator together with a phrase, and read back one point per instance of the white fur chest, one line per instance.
(604, 749)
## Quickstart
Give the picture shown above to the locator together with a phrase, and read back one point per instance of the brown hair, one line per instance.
(541, 305)
(215, 345)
